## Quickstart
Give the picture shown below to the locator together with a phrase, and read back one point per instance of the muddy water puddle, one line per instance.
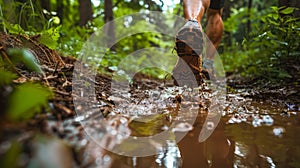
(250, 133)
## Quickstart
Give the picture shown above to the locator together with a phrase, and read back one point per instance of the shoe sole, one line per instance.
(183, 74)
(189, 38)
(189, 43)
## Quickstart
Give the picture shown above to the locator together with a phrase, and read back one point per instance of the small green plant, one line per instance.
(50, 37)
(26, 57)
(26, 100)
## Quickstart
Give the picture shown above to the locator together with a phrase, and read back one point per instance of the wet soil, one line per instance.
(283, 92)
(258, 128)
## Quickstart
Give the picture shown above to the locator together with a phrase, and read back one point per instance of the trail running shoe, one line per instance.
(189, 48)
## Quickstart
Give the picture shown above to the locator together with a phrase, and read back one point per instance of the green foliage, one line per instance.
(72, 39)
(277, 40)
(27, 100)
(26, 57)
(50, 37)
(66, 36)
(26, 14)
(236, 19)
(273, 41)
(137, 50)
(14, 28)
(6, 77)
(286, 11)
(30, 21)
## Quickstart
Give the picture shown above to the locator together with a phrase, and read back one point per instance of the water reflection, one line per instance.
(216, 151)
(169, 156)
(239, 144)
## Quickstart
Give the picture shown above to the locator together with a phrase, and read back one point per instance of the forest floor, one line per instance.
(50, 127)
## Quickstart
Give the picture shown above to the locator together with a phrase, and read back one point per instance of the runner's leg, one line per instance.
(214, 30)
(195, 9)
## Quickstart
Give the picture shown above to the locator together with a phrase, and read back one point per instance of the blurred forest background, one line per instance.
(261, 38)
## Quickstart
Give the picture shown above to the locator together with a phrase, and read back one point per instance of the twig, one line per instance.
(62, 93)
(55, 69)
(63, 108)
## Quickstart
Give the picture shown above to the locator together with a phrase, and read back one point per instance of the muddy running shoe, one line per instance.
(189, 47)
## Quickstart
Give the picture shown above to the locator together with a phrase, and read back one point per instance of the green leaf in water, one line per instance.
(27, 100)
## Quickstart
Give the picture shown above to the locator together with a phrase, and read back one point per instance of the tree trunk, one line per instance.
(225, 15)
(60, 9)
(249, 18)
(283, 3)
(45, 4)
(86, 12)
(109, 30)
